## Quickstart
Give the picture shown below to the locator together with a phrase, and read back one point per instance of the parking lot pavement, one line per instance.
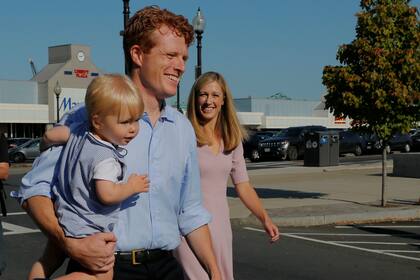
(396, 240)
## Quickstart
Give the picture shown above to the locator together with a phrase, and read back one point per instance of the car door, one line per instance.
(343, 142)
(32, 151)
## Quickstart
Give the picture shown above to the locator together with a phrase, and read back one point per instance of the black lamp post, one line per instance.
(126, 13)
(57, 91)
(178, 106)
(198, 24)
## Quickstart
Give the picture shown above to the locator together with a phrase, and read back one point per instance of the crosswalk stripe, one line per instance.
(13, 229)
(393, 226)
(16, 213)
(400, 251)
(374, 243)
(387, 253)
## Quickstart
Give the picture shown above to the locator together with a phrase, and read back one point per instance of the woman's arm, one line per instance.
(251, 200)
(4, 170)
(200, 243)
(4, 159)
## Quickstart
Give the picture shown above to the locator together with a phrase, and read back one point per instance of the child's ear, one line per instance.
(96, 122)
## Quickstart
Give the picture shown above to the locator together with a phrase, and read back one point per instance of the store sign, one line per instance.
(81, 73)
(68, 99)
(67, 104)
(340, 120)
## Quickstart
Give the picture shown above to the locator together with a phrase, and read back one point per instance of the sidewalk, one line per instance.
(309, 196)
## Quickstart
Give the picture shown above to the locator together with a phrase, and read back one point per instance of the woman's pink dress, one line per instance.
(214, 172)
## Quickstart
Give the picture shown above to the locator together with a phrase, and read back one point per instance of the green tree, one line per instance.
(377, 84)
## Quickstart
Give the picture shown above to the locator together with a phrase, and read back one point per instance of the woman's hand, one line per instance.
(271, 229)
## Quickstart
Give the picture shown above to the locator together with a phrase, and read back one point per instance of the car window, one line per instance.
(35, 144)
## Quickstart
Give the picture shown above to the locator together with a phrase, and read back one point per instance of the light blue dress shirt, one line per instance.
(166, 153)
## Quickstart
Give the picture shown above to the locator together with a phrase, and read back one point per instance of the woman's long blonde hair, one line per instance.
(227, 126)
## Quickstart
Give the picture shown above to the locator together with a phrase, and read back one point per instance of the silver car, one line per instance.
(28, 150)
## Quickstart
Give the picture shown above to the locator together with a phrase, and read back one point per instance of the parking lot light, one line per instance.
(57, 91)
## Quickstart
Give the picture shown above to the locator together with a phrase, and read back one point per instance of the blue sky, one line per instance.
(261, 47)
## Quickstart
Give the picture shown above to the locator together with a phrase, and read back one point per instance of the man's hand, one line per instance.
(95, 252)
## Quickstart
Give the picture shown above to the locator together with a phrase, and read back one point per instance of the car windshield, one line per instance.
(290, 132)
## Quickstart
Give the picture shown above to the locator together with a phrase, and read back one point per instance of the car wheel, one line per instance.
(18, 157)
(407, 148)
(292, 153)
(283, 156)
(255, 155)
(358, 151)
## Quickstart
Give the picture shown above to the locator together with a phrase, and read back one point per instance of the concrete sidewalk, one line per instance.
(308, 196)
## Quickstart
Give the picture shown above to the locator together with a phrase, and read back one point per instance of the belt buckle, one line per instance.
(133, 256)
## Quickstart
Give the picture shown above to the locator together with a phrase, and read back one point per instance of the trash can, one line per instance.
(321, 148)
(334, 148)
(310, 156)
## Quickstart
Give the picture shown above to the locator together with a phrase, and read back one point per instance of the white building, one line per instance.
(27, 107)
(264, 113)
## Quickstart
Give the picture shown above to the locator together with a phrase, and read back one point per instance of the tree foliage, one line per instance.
(378, 83)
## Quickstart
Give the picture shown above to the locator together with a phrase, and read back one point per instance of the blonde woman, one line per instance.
(220, 154)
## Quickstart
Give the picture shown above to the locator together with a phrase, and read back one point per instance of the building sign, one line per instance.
(67, 103)
(340, 120)
(81, 73)
(68, 99)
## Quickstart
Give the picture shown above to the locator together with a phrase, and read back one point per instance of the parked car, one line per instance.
(28, 150)
(351, 142)
(14, 142)
(397, 142)
(401, 142)
(415, 138)
(413, 131)
(289, 143)
(251, 144)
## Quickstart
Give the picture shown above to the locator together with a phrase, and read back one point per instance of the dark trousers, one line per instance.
(166, 268)
(2, 249)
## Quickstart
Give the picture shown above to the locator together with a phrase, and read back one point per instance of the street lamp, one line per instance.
(178, 107)
(57, 91)
(126, 13)
(198, 24)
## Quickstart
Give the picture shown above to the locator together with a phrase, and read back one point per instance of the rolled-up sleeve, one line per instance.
(37, 182)
(192, 212)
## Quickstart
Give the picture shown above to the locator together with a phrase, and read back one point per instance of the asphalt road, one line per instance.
(343, 160)
(380, 251)
(385, 251)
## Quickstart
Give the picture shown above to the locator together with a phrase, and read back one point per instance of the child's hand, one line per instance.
(139, 183)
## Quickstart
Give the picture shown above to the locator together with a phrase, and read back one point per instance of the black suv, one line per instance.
(415, 137)
(352, 142)
(251, 144)
(398, 142)
(289, 143)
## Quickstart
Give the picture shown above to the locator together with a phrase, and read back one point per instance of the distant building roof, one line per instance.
(18, 92)
(276, 107)
(47, 72)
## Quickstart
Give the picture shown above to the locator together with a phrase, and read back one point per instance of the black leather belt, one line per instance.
(142, 256)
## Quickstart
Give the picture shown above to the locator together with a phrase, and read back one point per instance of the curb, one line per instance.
(328, 219)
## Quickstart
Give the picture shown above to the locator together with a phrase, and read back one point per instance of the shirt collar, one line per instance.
(167, 113)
